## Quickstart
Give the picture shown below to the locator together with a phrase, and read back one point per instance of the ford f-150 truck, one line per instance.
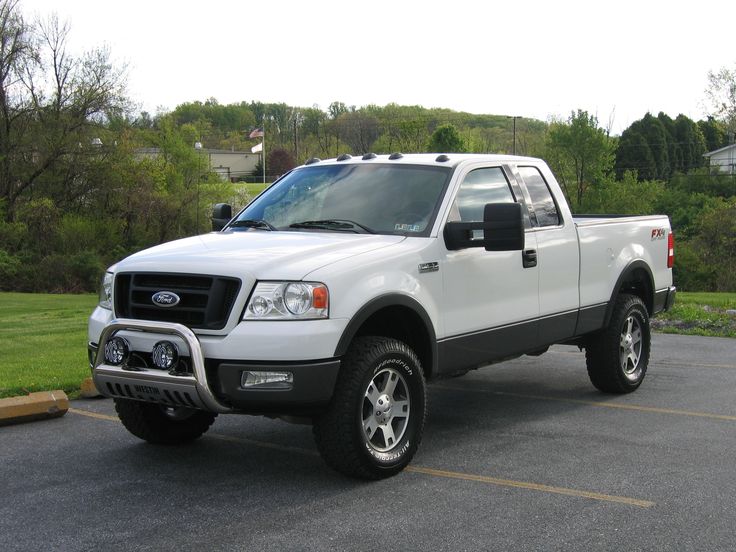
(344, 287)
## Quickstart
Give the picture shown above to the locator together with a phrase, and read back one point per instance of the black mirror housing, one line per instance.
(221, 215)
(503, 229)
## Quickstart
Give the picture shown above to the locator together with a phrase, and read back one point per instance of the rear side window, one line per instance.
(544, 205)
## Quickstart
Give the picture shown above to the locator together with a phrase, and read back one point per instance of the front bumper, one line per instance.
(210, 384)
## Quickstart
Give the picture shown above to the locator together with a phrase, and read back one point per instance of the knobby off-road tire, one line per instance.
(375, 420)
(617, 357)
(161, 425)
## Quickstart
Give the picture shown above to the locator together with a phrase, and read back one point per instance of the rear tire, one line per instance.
(375, 421)
(617, 357)
(163, 425)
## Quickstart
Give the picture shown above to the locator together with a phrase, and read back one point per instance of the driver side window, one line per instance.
(479, 187)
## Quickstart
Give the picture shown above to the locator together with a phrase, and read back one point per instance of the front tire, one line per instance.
(163, 425)
(617, 357)
(375, 421)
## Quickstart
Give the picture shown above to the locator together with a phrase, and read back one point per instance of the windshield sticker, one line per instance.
(407, 228)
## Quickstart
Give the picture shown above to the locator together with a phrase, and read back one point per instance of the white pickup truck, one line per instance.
(349, 283)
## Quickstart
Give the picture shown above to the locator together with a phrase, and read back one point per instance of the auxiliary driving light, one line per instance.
(117, 351)
(165, 355)
(266, 380)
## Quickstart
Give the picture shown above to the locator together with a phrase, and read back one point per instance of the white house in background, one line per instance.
(230, 165)
(724, 159)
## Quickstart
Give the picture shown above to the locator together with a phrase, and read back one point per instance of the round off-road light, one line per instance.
(165, 355)
(117, 351)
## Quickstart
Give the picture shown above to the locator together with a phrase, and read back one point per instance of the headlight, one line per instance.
(106, 291)
(288, 301)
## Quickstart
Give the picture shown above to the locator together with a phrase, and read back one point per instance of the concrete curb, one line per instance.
(35, 406)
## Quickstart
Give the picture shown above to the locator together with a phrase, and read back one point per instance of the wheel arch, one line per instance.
(636, 279)
(400, 317)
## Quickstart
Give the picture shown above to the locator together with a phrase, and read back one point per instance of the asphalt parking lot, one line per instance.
(525, 455)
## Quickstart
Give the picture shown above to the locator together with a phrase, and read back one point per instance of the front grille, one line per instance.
(206, 301)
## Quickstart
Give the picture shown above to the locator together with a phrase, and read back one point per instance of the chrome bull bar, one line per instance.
(153, 385)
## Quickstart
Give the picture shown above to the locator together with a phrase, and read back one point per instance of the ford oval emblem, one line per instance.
(165, 299)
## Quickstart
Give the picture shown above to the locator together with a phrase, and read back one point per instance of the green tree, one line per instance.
(53, 106)
(721, 94)
(580, 152)
(645, 147)
(691, 142)
(633, 154)
(714, 132)
(716, 242)
(446, 139)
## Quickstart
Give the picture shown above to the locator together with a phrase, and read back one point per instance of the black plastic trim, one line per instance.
(384, 301)
(558, 327)
(625, 274)
(314, 383)
(460, 353)
(664, 299)
(591, 318)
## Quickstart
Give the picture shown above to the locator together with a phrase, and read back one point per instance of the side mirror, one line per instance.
(504, 227)
(503, 230)
(221, 215)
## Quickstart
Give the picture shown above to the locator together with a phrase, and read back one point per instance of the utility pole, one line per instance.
(514, 117)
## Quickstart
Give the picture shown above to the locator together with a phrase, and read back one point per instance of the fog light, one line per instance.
(272, 380)
(165, 355)
(117, 351)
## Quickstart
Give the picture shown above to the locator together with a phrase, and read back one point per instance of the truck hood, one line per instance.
(255, 254)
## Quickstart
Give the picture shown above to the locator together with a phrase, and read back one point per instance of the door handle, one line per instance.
(529, 258)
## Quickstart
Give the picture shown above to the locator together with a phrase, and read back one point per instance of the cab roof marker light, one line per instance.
(312, 161)
(396, 155)
(369, 156)
(345, 157)
(442, 158)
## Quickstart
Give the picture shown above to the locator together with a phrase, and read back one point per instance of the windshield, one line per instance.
(366, 198)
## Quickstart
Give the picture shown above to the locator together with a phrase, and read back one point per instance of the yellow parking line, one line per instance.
(96, 415)
(531, 486)
(419, 469)
(693, 365)
(600, 404)
(654, 361)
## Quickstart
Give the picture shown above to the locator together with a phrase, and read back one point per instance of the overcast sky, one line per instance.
(537, 59)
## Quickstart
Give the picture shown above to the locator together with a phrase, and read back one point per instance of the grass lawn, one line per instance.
(697, 313)
(43, 338)
(43, 342)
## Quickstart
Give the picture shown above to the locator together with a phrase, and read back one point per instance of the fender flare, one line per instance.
(637, 264)
(382, 302)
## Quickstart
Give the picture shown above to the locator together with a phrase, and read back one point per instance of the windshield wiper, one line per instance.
(334, 224)
(250, 223)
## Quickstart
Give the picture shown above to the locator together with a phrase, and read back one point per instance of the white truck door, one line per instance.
(490, 301)
(558, 257)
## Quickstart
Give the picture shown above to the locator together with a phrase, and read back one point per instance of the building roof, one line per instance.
(206, 150)
(710, 153)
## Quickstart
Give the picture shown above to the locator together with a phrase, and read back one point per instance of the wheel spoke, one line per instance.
(400, 409)
(634, 358)
(388, 435)
(391, 382)
(629, 324)
(636, 336)
(370, 425)
(372, 393)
